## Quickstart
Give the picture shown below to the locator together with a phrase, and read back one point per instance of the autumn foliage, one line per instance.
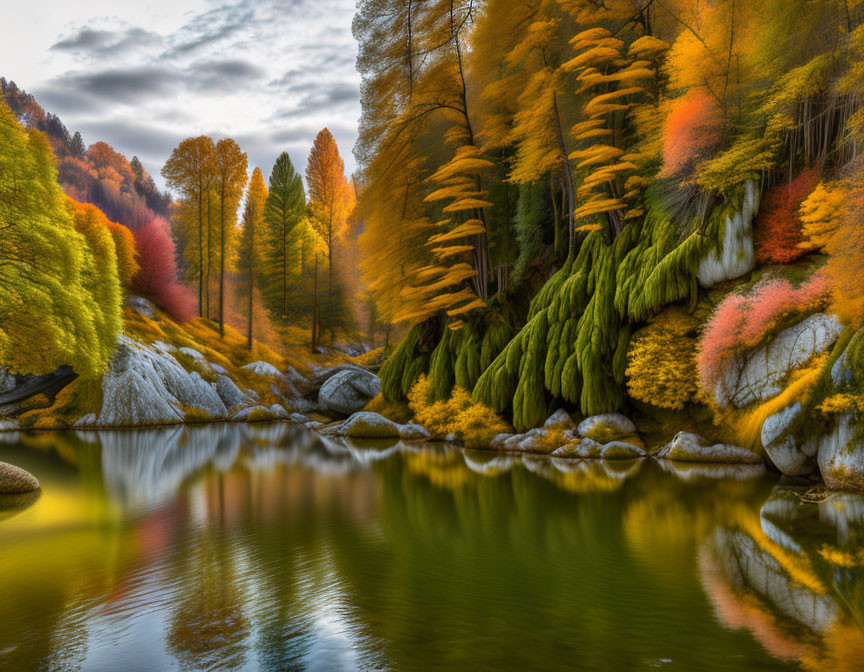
(157, 277)
(777, 235)
(692, 129)
(741, 321)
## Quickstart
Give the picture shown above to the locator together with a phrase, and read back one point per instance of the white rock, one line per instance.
(264, 369)
(841, 457)
(787, 455)
(559, 417)
(413, 432)
(9, 425)
(840, 372)
(88, 420)
(619, 450)
(776, 424)
(759, 376)
(611, 423)
(498, 440)
(230, 394)
(349, 391)
(142, 305)
(163, 347)
(736, 257)
(278, 411)
(688, 447)
(244, 413)
(366, 425)
(299, 418)
(314, 424)
(145, 387)
(218, 368)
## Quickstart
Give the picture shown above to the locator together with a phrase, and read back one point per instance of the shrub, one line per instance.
(473, 423)
(777, 234)
(741, 322)
(661, 362)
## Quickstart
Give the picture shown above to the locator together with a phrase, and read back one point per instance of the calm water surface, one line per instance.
(263, 548)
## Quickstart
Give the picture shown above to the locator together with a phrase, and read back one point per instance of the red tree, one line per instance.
(691, 131)
(777, 233)
(158, 278)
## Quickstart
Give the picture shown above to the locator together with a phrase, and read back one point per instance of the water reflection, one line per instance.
(267, 547)
(793, 575)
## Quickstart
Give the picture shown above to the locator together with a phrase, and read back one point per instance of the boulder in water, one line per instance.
(367, 425)
(606, 427)
(348, 391)
(413, 432)
(14, 480)
(9, 425)
(841, 456)
(689, 447)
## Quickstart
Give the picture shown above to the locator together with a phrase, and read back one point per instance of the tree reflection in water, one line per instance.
(267, 547)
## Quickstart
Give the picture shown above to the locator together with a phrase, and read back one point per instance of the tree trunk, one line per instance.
(200, 251)
(251, 301)
(222, 262)
(315, 306)
(207, 274)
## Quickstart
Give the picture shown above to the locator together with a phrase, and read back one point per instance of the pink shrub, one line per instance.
(158, 278)
(740, 322)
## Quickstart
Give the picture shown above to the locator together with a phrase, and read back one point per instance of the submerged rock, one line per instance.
(688, 447)
(367, 425)
(14, 480)
(349, 390)
(736, 256)
(619, 450)
(759, 375)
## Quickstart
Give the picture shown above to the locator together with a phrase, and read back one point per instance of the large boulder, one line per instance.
(790, 456)
(196, 357)
(736, 256)
(146, 387)
(688, 447)
(367, 425)
(349, 391)
(264, 369)
(841, 456)
(14, 480)
(230, 394)
(759, 375)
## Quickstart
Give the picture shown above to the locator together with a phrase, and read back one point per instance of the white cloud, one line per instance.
(143, 75)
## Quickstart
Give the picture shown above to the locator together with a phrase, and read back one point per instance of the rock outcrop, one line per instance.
(841, 456)
(14, 480)
(146, 387)
(231, 395)
(688, 447)
(758, 376)
(736, 256)
(789, 455)
(264, 369)
(348, 390)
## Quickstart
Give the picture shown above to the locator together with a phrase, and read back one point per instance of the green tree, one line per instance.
(50, 283)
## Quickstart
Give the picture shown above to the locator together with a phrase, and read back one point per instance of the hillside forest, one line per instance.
(622, 206)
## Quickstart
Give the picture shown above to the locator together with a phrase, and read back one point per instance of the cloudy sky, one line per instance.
(144, 74)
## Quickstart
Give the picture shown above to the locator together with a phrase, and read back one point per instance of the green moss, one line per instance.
(403, 367)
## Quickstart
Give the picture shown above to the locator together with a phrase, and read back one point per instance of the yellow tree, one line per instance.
(229, 181)
(331, 198)
(188, 170)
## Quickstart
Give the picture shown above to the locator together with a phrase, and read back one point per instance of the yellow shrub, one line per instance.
(842, 403)
(661, 362)
(473, 423)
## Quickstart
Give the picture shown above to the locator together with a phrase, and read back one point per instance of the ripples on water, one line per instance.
(264, 547)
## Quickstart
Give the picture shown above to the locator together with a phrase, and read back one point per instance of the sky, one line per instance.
(142, 75)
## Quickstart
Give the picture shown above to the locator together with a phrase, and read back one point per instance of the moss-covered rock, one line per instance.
(606, 427)
(688, 447)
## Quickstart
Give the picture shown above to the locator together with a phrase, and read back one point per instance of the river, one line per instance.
(263, 547)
